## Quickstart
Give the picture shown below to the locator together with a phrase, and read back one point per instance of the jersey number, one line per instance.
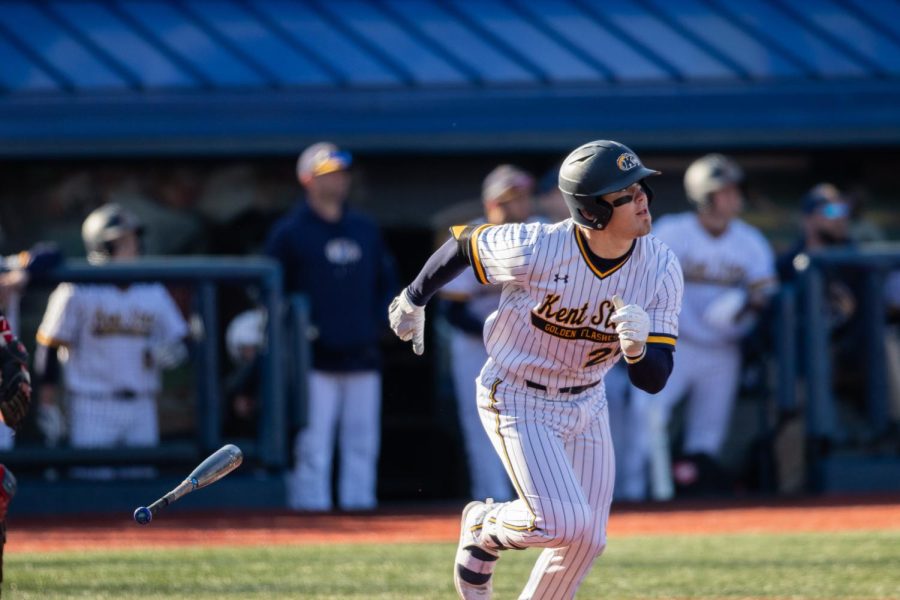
(595, 357)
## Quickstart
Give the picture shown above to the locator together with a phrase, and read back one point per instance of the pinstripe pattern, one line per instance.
(560, 456)
(552, 328)
(546, 276)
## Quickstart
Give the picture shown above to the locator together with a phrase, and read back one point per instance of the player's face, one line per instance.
(831, 223)
(331, 186)
(632, 219)
(516, 205)
(127, 247)
(728, 202)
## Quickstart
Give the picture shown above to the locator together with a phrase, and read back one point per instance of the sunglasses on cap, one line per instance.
(834, 210)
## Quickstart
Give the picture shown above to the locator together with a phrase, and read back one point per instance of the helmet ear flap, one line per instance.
(592, 212)
(603, 212)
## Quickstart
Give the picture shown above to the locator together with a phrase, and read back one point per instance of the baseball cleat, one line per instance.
(474, 564)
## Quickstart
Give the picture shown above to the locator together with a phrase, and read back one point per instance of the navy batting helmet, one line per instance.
(104, 226)
(597, 168)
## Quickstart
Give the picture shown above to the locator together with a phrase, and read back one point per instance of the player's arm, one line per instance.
(648, 355)
(443, 266)
(169, 346)
(58, 329)
(647, 337)
(48, 376)
(497, 254)
(651, 371)
(740, 306)
(407, 311)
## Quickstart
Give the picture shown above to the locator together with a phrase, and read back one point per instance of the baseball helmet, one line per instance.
(246, 329)
(597, 168)
(103, 227)
(710, 174)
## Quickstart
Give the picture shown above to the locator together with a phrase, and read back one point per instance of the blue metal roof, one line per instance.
(233, 76)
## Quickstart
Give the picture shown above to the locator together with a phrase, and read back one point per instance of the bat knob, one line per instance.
(143, 515)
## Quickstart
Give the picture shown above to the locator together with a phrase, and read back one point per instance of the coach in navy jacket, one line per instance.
(337, 258)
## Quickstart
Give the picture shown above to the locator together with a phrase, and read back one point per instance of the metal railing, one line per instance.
(204, 274)
(875, 263)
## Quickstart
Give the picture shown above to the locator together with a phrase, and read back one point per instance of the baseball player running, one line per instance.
(729, 274)
(117, 338)
(577, 295)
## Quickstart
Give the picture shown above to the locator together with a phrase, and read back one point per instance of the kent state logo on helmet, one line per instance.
(594, 170)
(627, 161)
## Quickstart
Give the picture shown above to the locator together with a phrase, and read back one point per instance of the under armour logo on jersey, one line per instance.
(628, 161)
(563, 278)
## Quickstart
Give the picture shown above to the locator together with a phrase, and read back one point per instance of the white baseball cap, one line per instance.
(322, 158)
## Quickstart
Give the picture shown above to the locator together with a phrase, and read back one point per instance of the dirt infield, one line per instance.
(439, 524)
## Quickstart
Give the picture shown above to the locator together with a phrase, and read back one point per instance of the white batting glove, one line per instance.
(408, 321)
(633, 326)
(170, 355)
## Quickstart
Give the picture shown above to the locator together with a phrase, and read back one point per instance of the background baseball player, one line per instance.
(336, 256)
(728, 277)
(244, 339)
(115, 339)
(561, 324)
(506, 195)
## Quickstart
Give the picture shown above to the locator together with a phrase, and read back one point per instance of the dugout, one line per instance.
(193, 114)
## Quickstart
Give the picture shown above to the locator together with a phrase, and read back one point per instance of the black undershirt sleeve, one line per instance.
(46, 365)
(442, 267)
(651, 372)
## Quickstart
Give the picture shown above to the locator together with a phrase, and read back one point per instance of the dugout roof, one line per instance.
(147, 77)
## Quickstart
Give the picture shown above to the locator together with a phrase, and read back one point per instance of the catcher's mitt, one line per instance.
(15, 382)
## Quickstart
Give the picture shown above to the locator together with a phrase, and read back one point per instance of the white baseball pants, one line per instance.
(559, 454)
(347, 405)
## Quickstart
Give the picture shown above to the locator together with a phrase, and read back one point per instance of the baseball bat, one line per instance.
(216, 466)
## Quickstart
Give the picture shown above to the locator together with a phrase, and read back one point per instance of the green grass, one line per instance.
(798, 566)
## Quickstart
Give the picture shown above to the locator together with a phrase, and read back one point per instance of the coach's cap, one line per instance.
(322, 158)
(502, 179)
(825, 199)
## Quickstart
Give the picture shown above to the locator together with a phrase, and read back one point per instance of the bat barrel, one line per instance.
(219, 464)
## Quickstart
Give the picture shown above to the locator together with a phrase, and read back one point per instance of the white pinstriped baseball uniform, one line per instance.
(110, 378)
(738, 259)
(551, 331)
